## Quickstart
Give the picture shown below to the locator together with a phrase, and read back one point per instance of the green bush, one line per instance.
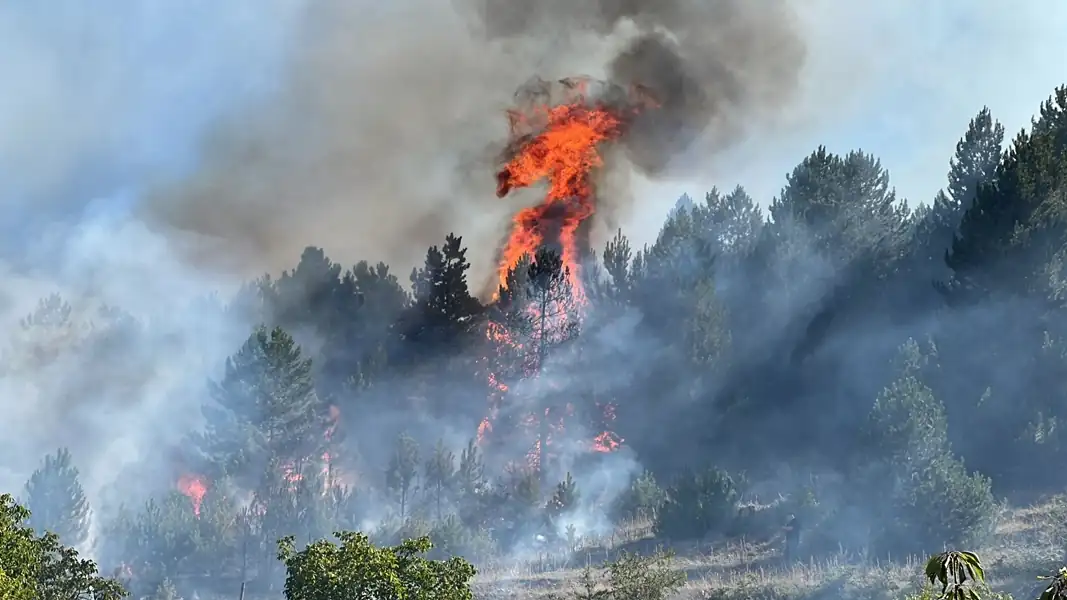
(452, 538)
(39, 566)
(631, 577)
(642, 499)
(761, 522)
(941, 504)
(698, 504)
(919, 494)
(355, 568)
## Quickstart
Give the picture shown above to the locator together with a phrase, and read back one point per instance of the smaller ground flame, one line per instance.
(194, 488)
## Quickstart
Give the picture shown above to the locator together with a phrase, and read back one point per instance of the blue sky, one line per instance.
(106, 99)
(901, 80)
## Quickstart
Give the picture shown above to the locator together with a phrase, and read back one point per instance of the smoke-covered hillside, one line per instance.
(828, 371)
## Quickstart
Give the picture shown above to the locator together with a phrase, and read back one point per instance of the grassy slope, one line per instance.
(1028, 543)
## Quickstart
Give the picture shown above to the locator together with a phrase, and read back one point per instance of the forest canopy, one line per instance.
(863, 359)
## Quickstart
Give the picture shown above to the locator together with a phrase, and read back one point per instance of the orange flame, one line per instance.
(194, 487)
(565, 153)
(560, 144)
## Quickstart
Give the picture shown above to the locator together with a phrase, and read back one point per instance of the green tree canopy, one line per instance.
(56, 500)
(356, 568)
(41, 567)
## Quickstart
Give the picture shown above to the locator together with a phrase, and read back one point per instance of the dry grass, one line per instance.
(1028, 542)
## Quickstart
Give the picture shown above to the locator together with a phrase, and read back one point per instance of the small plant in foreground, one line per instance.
(959, 574)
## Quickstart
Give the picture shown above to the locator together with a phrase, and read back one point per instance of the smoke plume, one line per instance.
(383, 132)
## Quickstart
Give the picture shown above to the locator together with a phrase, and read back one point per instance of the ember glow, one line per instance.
(559, 143)
(194, 488)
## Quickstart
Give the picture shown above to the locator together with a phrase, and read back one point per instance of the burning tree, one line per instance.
(556, 130)
(535, 314)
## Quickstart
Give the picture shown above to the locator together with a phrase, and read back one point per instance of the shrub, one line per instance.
(919, 493)
(356, 568)
(452, 538)
(941, 504)
(761, 521)
(631, 577)
(698, 504)
(642, 499)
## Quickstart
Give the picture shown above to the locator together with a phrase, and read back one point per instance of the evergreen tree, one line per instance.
(924, 495)
(442, 298)
(1014, 218)
(977, 156)
(265, 411)
(440, 475)
(46, 334)
(549, 292)
(472, 489)
(564, 498)
(307, 296)
(470, 476)
(56, 500)
(733, 221)
(617, 259)
(374, 337)
(552, 322)
(643, 498)
(848, 211)
(907, 424)
(978, 153)
(536, 313)
(442, 317)
(402, 473)
(166, 591)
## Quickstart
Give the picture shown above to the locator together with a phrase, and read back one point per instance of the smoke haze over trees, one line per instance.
(885, 369)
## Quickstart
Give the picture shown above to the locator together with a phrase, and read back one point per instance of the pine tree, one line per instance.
(978, 153)
(56, 500)
(403, 471)
(441, 317)
(1018, 217)
(907, 424)
(536, 313)
(845, 209)
(166, 591)
(46, 334)
(306, 297)
(733, 221)
(440, 474)
(266, 411)
(549, 291)
(441, 294)
(552, 322)
(925, 495)
(470, 476)
(373, 338)
(617, 258)
(564, 498)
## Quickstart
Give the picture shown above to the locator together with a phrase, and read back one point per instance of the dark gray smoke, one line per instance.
(385, 128)
(708, 63)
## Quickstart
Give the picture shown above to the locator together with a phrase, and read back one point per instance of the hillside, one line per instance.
(1029, 542)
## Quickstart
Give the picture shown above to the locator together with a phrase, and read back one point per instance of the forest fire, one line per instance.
(194, 488)
(555, 135)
